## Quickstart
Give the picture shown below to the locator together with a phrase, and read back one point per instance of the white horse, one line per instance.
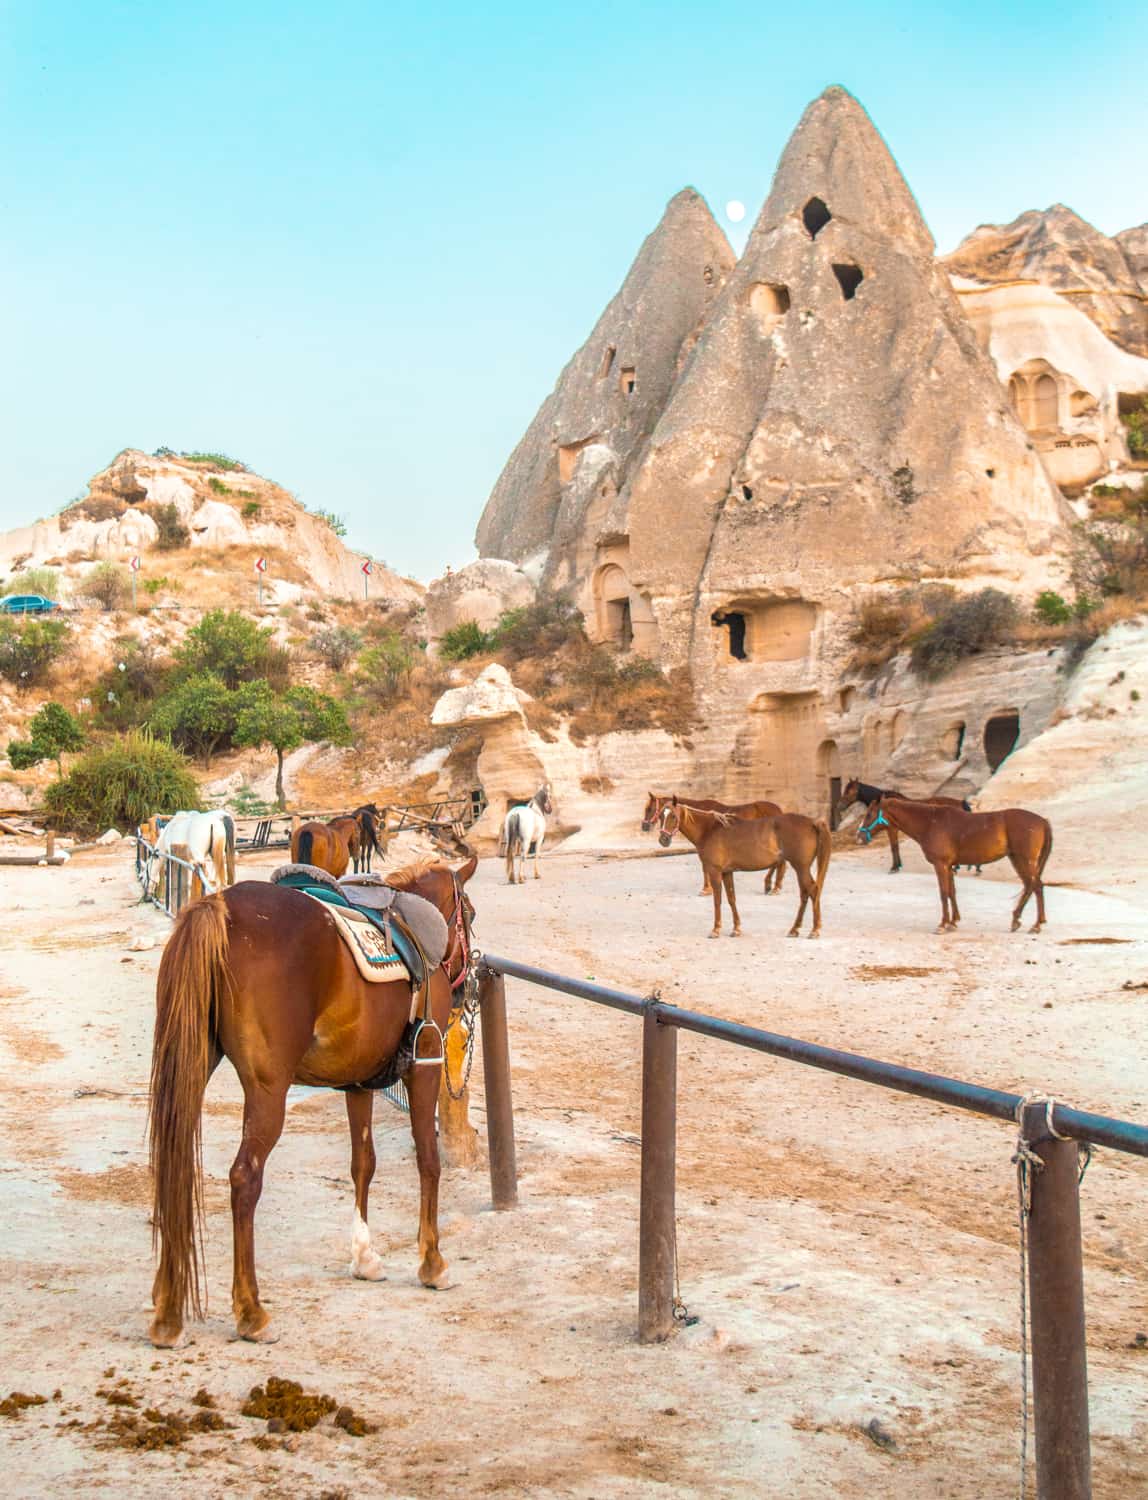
(523, 831)
(208, 840)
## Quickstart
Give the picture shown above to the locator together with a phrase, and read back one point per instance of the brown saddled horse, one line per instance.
(948, 836)
(258, 974)
(861, 791)
(743, 811)
(724, 845)
(321, 844)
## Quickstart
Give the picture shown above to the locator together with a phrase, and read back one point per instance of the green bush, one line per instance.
(251, 509)
(385, 668)
(215, 461)
(124, 692)
(34, 581)
(538, 629)
(173, 534)
(336, 645)
(467, 638)
(28, 649)
(228, 645)
(53, 733)
(336, 523)
(1136, 429)
(1051, 608)
(199, 713)
(120, 784)
(967, 626)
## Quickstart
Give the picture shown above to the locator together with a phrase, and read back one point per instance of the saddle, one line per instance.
(392, 936)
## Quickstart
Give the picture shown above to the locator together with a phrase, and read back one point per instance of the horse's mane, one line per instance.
(408, 875)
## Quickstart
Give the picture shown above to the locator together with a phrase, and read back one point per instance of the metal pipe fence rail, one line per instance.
(170, 886)
(1051, 1133)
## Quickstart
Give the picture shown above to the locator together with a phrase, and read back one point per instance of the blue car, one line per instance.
(26, 604)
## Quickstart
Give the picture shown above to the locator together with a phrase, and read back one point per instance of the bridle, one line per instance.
(867, 830)
(666, 833)
(459, 923)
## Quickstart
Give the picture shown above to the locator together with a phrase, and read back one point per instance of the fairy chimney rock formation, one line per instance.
(561, 481)
(1063, 251)
(837, 425)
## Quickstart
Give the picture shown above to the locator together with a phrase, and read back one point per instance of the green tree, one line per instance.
(385, 669)
(34, 581)
(118, 785)
(232, 647)
(52, 733)
(287, 720)
(107, 584)
(199, 715)
(29, 648)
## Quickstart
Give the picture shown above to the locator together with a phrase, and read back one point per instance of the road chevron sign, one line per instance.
(367, 565)
(261, 565)
(134, 565)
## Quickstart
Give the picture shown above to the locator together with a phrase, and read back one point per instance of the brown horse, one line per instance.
(861, 791)
(743, 811)
(724, 845)
(258, 974)
(352, 831)
(321, 844)
(948, 837)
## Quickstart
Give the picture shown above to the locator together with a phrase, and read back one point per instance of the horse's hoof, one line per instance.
(267, 1334)
(816, 933)
(441, 1281)
(736, 932)
(1036, 926)
(715, 933)
(793, 932)
(1015, 927)
(163, 1336)
(369, 1267)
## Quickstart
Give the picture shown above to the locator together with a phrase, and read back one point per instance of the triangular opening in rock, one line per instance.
(815, 216)
(849, 278)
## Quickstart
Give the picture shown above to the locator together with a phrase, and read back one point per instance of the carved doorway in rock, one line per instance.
(615, 623)
(829, 771)
(1001, 734)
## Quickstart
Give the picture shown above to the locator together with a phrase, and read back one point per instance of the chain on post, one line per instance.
(465, 1015)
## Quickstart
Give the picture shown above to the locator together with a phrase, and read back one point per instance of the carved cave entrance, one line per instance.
(1001, 734)
(734, 622)
(829, 768)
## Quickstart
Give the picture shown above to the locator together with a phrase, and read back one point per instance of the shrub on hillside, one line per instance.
(53, 733)
(463, 640)
(336, 645)
(124, 692)
(107, 585)
(215, 461)
(199, 714)
(173, 534)
(228, 645)
(336, 523)
(28, 649)
(120, 784)
(538, 629)
(1051, 608)
(385, 668)
(34, 581)
(968, 625)
(1136, 429)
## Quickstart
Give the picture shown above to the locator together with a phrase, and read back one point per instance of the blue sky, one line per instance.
(353, 244)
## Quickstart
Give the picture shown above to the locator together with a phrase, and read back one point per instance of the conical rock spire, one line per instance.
(582, 444)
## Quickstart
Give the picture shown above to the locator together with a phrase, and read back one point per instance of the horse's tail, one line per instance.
(306, 840)
(824, 850)
(1045, 852)
(367, 829)
(507, 836)
(192, 976)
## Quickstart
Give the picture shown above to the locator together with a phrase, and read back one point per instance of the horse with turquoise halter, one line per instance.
(861, 791)
(949, 836)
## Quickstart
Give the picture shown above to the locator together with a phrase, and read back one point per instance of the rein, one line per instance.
(458, 922)
(879, 821)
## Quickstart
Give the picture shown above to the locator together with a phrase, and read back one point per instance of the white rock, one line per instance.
(111, 836)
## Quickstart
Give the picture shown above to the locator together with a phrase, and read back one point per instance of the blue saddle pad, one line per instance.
(405, 946)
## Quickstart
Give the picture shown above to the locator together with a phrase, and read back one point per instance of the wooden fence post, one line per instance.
(1056, 1300)
(496, 1082)
(457, 1136)
(657, 1247)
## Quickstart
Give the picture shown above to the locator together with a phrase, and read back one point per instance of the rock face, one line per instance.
(1134, 243)
(1064, 377)
(221, 508)
(580, 449)
(836, 431)
(482, 592)
(1063, 251)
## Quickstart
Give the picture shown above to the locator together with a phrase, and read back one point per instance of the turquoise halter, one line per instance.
(879, 821)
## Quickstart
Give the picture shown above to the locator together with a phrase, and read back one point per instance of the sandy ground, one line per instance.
(848, 1254)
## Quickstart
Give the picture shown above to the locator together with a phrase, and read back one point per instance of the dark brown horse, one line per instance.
(949, 836)
(322, 844)
(259, 975)
(372, 827)
(861, 791)
(352, 832)
(652, 812)
(725, 844)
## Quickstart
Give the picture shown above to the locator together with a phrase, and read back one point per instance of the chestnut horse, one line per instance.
(948, 836)
(861, 791)
(352, 832)
(259, 975)
(321, 844)
(725, 844)
(652, 812)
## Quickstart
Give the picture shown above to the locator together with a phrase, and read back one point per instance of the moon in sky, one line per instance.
(735, 211)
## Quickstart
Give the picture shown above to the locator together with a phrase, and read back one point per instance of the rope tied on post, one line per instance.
(1028, 1164)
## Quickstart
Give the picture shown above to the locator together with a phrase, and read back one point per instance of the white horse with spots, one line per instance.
(523, 831)
(208, 842)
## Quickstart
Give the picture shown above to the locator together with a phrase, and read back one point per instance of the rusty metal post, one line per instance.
(657, 1232)
(496, 1083)
(1056, 1298)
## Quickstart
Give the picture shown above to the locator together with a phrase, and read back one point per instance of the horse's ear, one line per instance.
(674, 800)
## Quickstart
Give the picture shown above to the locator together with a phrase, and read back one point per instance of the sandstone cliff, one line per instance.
(1063, 251)
(1134, 243)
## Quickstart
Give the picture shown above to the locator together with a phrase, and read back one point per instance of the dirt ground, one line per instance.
(849, 1255)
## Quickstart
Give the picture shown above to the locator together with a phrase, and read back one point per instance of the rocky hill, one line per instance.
(1058, 248)
(225, 510)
